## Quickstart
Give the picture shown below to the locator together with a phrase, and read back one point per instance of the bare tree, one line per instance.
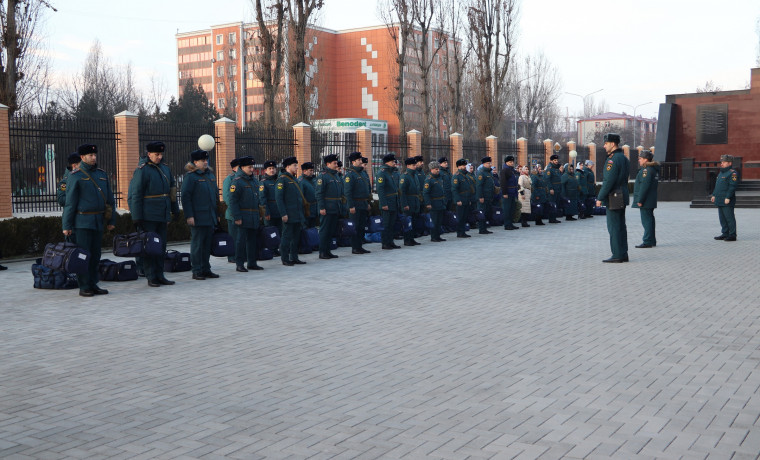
(710, 87)
(428, 27)
(492, 34)
(397, 16)
(538, 93)
(454, 62)
(268, 44)
(592, 107)
(19, 24)
(300, 12)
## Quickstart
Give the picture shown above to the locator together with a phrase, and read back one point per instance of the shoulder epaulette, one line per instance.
(141, 165)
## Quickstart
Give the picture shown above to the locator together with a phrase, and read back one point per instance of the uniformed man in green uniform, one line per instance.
(724, 197)
(580, 176)
(615, 178)
(462, 191)
(290, 201)
(484, 192)
(243, 199)
(358, 191)
(231, 228)
(446, 178)
(73, 164)
(308, 182)
(267, 197)
(153, 201)
(434, 197)
(410, 196)
(570, 192)
(330, 202)
(89, 207)
(509, 189)
(200, 196)
(645, 196)
(539, 194)
(591, 186)
(387, 193)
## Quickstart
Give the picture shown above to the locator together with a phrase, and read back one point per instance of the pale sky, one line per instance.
(636, 51)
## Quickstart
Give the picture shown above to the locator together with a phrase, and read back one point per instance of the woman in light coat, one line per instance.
(524, 195)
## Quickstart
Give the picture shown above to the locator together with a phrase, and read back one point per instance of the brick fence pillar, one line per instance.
(364, 139)
(414, 142)
(492, 149)
(456, 141)
(6, 195)
(127, 152)
(522, 152)
(302, 132)
(224, 130)
(571, 146)
(548, 151)
(597, 158)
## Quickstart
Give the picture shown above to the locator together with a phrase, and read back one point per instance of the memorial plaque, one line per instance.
(712, 124)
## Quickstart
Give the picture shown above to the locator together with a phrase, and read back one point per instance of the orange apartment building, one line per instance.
(351, 73)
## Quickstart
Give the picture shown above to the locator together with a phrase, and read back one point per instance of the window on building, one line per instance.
(220, 39)
(180, 75)
(233, 70)
(220, 55)
(220, 71)
(232, 37)
(234, 85)
(233, 53)
(250, 75)
(220, 102)
(220, 87)
(435, 43)
(234, 101)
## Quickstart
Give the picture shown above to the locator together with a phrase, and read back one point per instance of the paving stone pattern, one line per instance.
(519, 345)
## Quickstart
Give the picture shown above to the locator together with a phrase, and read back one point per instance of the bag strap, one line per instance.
(299, 189)
(105, 202)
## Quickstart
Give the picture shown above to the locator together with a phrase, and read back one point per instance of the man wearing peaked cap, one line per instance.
(231, 227)
(268, 199)
(724, 197)
(72, 164)
(289, 197)
(330, 204)
(358, 192)
(615, 181)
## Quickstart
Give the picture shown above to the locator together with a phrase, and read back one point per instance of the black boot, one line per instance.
(524, 221)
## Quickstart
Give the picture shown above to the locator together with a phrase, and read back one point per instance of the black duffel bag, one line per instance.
(47, 278)
(137, 244)
(176, 261)
(117, 271)
(66, 256)
(269, 236)
(222, 244)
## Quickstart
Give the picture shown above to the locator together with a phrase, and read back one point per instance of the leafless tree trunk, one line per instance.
(538, 93)
(300, 12)
(397, 16)
(268, 63)
(492, 35)
(428, 27)
(454, 62)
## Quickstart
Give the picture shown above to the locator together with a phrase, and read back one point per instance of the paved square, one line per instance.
(514, 345)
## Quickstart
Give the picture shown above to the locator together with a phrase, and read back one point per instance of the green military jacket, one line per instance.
(357, 188)
(289, 198)
(539, 192)
(615, 175)
(553, 178)
(484, 185)
(725, 187)
(200, 196)
(411, 194)
(433, 193)
(571, 188)
(61, 188)
(446, 178)
(243, 199)
(387, 187)
(267, 196)
(590, 181)
(88, 191)
(309, 189)
(330, 192)
(462, 188)
(226, 194)
(580, 176)
(645, 186)
(152, 192)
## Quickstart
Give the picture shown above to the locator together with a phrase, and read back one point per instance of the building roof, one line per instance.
(615, 116)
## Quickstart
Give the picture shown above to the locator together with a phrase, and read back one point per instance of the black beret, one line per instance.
(235, 162)
(419, 158)
(85, 149)
(509, 158)
(245, 161)
(289, 161)
(330, 158)
(270, 164)
(196, 155)
(612, 137)
(443, 160)
(389, 157)
(73, 158)
(485, 160)
(554, 157)
(307, 165)
(155, 147)
(354, 156)
(461, 162)
(365, 160)
(410, 161)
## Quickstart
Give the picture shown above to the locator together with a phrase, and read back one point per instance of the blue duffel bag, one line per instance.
(48, 278)
(66, 256)
(222, 244)
(269, 236)
(374, 224)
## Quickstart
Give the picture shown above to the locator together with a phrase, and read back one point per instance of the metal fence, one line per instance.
(536, 155)
(264, 144)
(504, 149)
(434, 148)
(324, 143)
(384, 144)
(473, 150)
(40, 146)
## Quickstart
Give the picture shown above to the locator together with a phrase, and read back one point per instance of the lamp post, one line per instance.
(634, 118)
(516, 93)
(583, 98)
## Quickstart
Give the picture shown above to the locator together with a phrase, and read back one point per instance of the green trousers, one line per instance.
(463, 213)
(232, 230)
(389, 222)
(89, 240)
(200, 248)
(437, 217)
(647, 221)
(327, 227)
(727, 220)
(246, 245)
(360, 221)
(291, 237)
(618, 233)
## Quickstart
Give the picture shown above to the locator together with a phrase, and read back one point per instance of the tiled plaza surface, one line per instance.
(519, 344)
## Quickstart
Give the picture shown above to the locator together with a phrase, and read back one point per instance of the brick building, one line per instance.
(351, 73)
(589, 128)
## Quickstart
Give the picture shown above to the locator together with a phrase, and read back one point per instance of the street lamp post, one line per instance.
(583, 98)
(516, 93)
(634, 118)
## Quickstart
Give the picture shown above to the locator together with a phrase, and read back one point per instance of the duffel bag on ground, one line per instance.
(66, 256)
(270, 236)
(265, 253)
(536, 210)
(176, 261)
(346, 228)
(476, 216)
(374, 224)
(374, 237)
(222, 244)
(450, 220)
(309, 239)
(137, 244)
(599, 211)
(497, 218)
(117, 271)
(47, 278)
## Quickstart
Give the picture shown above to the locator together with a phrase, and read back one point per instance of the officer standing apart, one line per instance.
(462, 190)
(645, 196)
(231, 228)
(615, 178)
(410, 194)
(89, 207)
(330, 201)
(509, 190)
(724, 197)
(199, 202)
(484, 191)
(290, 203)
(308, 183)
(153, 201)
(434, 197)
(73, 164)
(358, 191)
(243, 196)
(387, 194)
